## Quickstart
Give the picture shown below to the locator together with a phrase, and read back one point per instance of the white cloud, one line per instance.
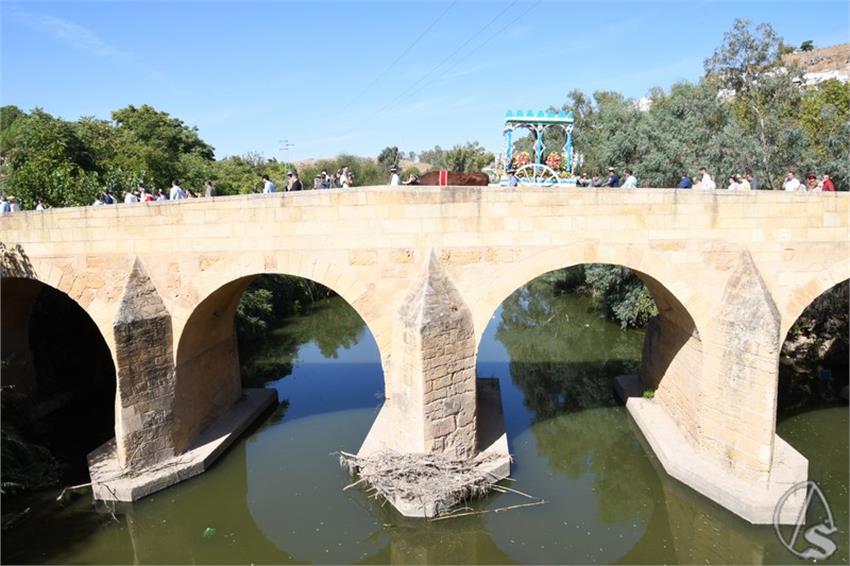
(82, 39)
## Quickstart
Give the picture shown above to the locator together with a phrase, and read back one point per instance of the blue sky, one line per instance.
(354, 77)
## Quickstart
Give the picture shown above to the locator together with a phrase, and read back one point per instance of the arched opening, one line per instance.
(250, 332)
(58, 387)
(307, 342)
(813, 369)
(559, 346)
(811, 413)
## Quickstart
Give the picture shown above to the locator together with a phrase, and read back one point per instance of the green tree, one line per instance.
(436, 157)
(469, 157)
(620, 294)
(9, 114)
(388, 157)
(807, 45)
(153, 142)
(47, 160)
(825, 118)
(748, 65)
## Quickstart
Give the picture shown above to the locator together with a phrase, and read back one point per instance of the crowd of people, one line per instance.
(703, 180)
(344, 179)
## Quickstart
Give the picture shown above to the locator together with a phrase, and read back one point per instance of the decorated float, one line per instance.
(537, 168)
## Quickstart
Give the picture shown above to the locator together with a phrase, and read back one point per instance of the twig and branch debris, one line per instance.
(437, 482)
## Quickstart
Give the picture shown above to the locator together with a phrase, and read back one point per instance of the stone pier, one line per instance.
(431, 394)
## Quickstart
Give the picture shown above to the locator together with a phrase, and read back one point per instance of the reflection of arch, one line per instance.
(805, 295)
(207, 362)
(671, 360)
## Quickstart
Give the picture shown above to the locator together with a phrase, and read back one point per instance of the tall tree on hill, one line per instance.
(766, 94)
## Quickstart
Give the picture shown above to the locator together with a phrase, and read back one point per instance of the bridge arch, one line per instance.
(804, 295)
(673, 293)
(208, 378)
(672, 354)
(61, 368)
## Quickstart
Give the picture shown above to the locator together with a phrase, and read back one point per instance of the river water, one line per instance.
(276, 496)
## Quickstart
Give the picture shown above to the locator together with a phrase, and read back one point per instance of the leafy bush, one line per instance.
(620, 294)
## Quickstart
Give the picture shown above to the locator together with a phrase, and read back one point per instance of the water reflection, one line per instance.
(563, 357)
(331, 325)
(276, 496)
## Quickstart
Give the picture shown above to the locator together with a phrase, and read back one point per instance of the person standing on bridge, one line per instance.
(754, 184)
(685, 182)
(177, 192)
(293, 182)
(613, 179)
(395, 180)
(5, 207)
(631, 180)
(828, 186)
(345, 178)
(209, 188)
(513, 180)
(791, 183)
(268, 186)
(706, 182)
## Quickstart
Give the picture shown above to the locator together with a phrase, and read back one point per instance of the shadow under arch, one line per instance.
(813, 364)
(55, 357)
(208, 378)
(803, 296)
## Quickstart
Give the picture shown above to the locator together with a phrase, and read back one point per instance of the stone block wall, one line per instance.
(433, 367)
(738, 402)
(143, 340)
(208, 371)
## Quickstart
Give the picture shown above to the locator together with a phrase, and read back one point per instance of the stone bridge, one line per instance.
(426, 268)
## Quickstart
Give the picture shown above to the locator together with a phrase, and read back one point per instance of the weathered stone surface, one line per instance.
(438, 354)
(746, 326)
(145, 373)
(112, 482)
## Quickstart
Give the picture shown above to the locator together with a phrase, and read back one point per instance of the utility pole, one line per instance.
(285, 146)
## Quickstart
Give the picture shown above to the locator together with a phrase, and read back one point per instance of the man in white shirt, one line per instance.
(268, 186)
(394, 180)
(345, 178)
(791, 182)
(706, 182)
(631, 180)
(130, 198)
(177, 193)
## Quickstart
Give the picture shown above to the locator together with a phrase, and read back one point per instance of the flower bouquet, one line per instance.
(521, 158)
(555, 161)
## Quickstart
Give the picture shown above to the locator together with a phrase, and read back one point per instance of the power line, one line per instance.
(399, 58)
(480, 45)
(433, 69)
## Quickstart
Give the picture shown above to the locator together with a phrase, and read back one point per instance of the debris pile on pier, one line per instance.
(434, 483)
